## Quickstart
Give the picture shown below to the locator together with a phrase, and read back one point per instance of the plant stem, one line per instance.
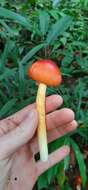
(42, 136)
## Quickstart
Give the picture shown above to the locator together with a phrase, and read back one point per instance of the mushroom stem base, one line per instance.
(78, 187)
(42, 135)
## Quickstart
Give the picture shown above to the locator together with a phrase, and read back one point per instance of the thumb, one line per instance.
(10, 142)
(53, 159)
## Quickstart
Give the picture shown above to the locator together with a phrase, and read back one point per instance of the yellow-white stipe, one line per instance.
(42, 135)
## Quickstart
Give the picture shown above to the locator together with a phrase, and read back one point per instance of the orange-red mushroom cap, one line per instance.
(45, 71)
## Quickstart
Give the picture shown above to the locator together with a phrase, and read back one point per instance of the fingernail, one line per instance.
(66, 149)
(75, 124)
(58, 99)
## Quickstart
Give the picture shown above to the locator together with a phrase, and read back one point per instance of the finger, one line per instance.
(6, 125)
(54, 134)
(53, 120)
(61, 131)
(52, 103)
(19, 136)
(53, 159)
(59, 117)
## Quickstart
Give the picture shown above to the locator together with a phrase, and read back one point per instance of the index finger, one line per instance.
(52, 103)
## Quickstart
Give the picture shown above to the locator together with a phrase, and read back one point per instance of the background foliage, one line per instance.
(57, 30)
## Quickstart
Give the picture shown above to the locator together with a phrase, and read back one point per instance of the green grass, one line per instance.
(34, 30)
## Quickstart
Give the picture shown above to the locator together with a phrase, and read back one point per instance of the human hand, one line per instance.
(18, 143)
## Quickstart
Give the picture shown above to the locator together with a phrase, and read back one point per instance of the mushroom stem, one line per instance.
(78, 187)
(42, 135)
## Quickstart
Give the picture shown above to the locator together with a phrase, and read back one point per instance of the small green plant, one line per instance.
(55, 30)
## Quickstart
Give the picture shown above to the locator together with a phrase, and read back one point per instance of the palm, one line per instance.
(19, 156)
(23, 170)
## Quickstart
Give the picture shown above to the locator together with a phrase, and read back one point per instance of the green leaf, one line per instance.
(8, 29)
(7, 107)
(67, 187)
(23, 103)
(31, 53)
(42, 181)
(58, 28)
(51, 173)
(80, 161)
(8, 48)
(66, 162)
(7, 73)
(54, 14)
(7, 14)
(21, 81)
(67, 59)
(3, 97)
(44, 19)
(61, 177)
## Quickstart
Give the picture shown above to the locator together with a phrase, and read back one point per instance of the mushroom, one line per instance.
(46, 73)
(78, 182)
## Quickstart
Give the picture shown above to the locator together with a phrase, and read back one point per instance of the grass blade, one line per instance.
(44, 19)
(7, 14)
(8, 48)
(58, 28)
(21, 81)
(80, 161)
(8, 30)
(31, 53)
(7, 73)
(7, 107)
